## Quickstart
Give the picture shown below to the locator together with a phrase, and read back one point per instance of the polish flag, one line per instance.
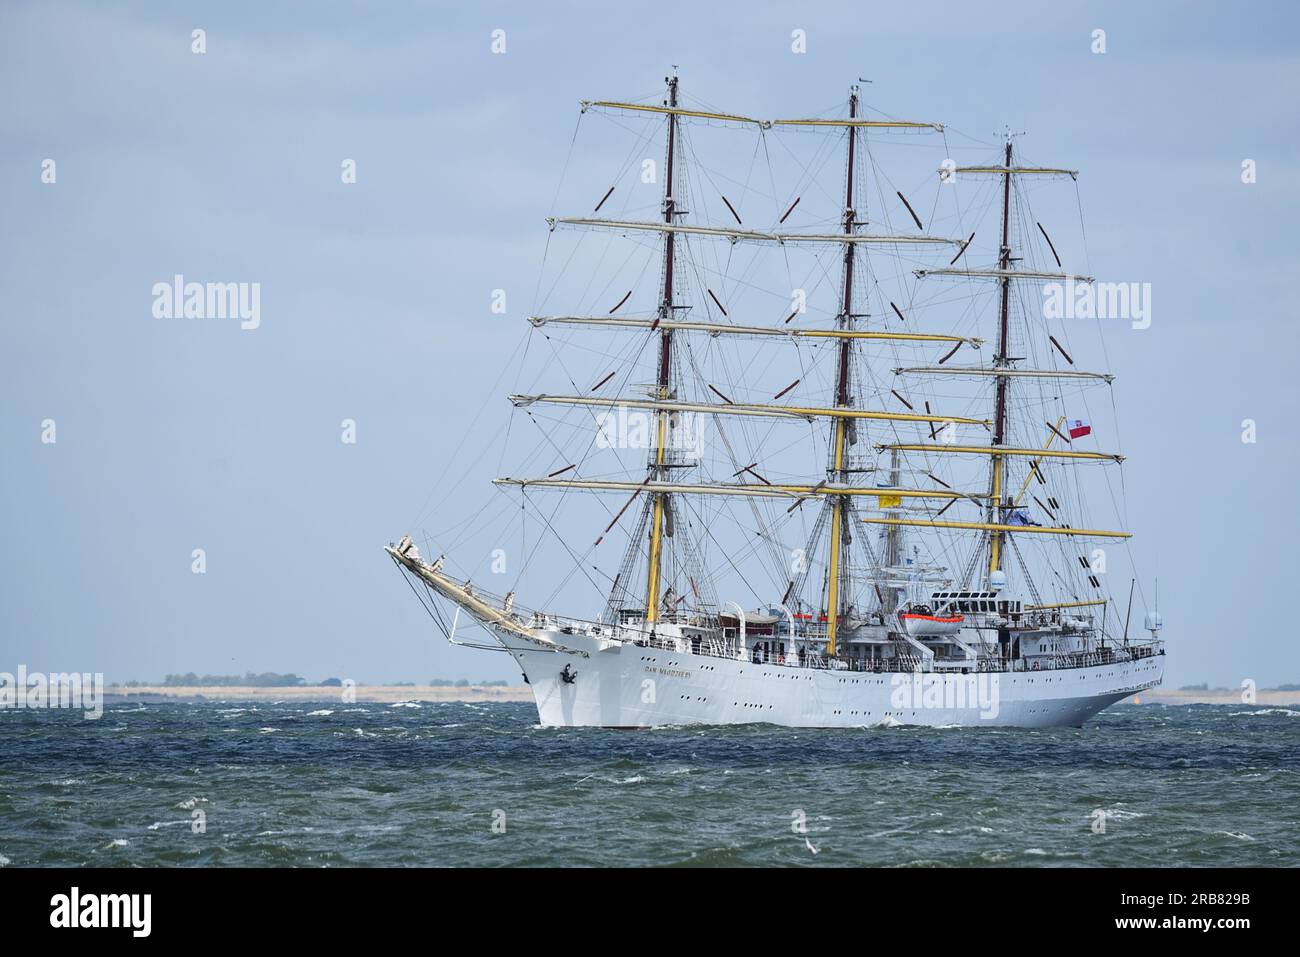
(1079, 428)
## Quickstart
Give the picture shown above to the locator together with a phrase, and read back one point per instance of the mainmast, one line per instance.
(839, 504)
(657, 470)
(1000, 362)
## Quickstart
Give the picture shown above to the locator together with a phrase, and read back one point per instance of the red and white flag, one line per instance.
(1079, 428)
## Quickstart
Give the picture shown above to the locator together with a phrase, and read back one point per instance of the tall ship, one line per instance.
(827, 462)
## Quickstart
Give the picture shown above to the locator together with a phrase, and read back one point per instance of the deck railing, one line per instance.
(904, 663)
(724, 648)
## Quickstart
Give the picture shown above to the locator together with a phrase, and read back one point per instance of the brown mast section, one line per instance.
(664, 387)
(1000, 361)
(839, 504)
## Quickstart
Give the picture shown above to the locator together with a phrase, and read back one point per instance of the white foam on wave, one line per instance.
(1120, 813)
(191, 803)
(1238, 835)
(1260, 711)
(890, 831)
(322, 713)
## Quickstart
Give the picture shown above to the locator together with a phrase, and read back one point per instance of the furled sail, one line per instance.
(748, 235)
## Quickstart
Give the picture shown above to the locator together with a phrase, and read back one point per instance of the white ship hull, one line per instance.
(623, 685)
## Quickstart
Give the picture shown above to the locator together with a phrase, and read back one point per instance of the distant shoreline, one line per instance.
(388, 694)
(382, 694)
(1263, 698)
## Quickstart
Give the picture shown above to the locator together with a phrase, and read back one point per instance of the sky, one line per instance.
(173, 434)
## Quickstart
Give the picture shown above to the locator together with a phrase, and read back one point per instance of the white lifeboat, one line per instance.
(920, 622)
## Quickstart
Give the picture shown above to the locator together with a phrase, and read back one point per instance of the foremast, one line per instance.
(663, 387)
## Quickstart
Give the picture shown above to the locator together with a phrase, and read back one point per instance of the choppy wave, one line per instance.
(426, 785)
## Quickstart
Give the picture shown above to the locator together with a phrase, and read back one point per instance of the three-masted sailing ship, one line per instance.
(927, 570)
